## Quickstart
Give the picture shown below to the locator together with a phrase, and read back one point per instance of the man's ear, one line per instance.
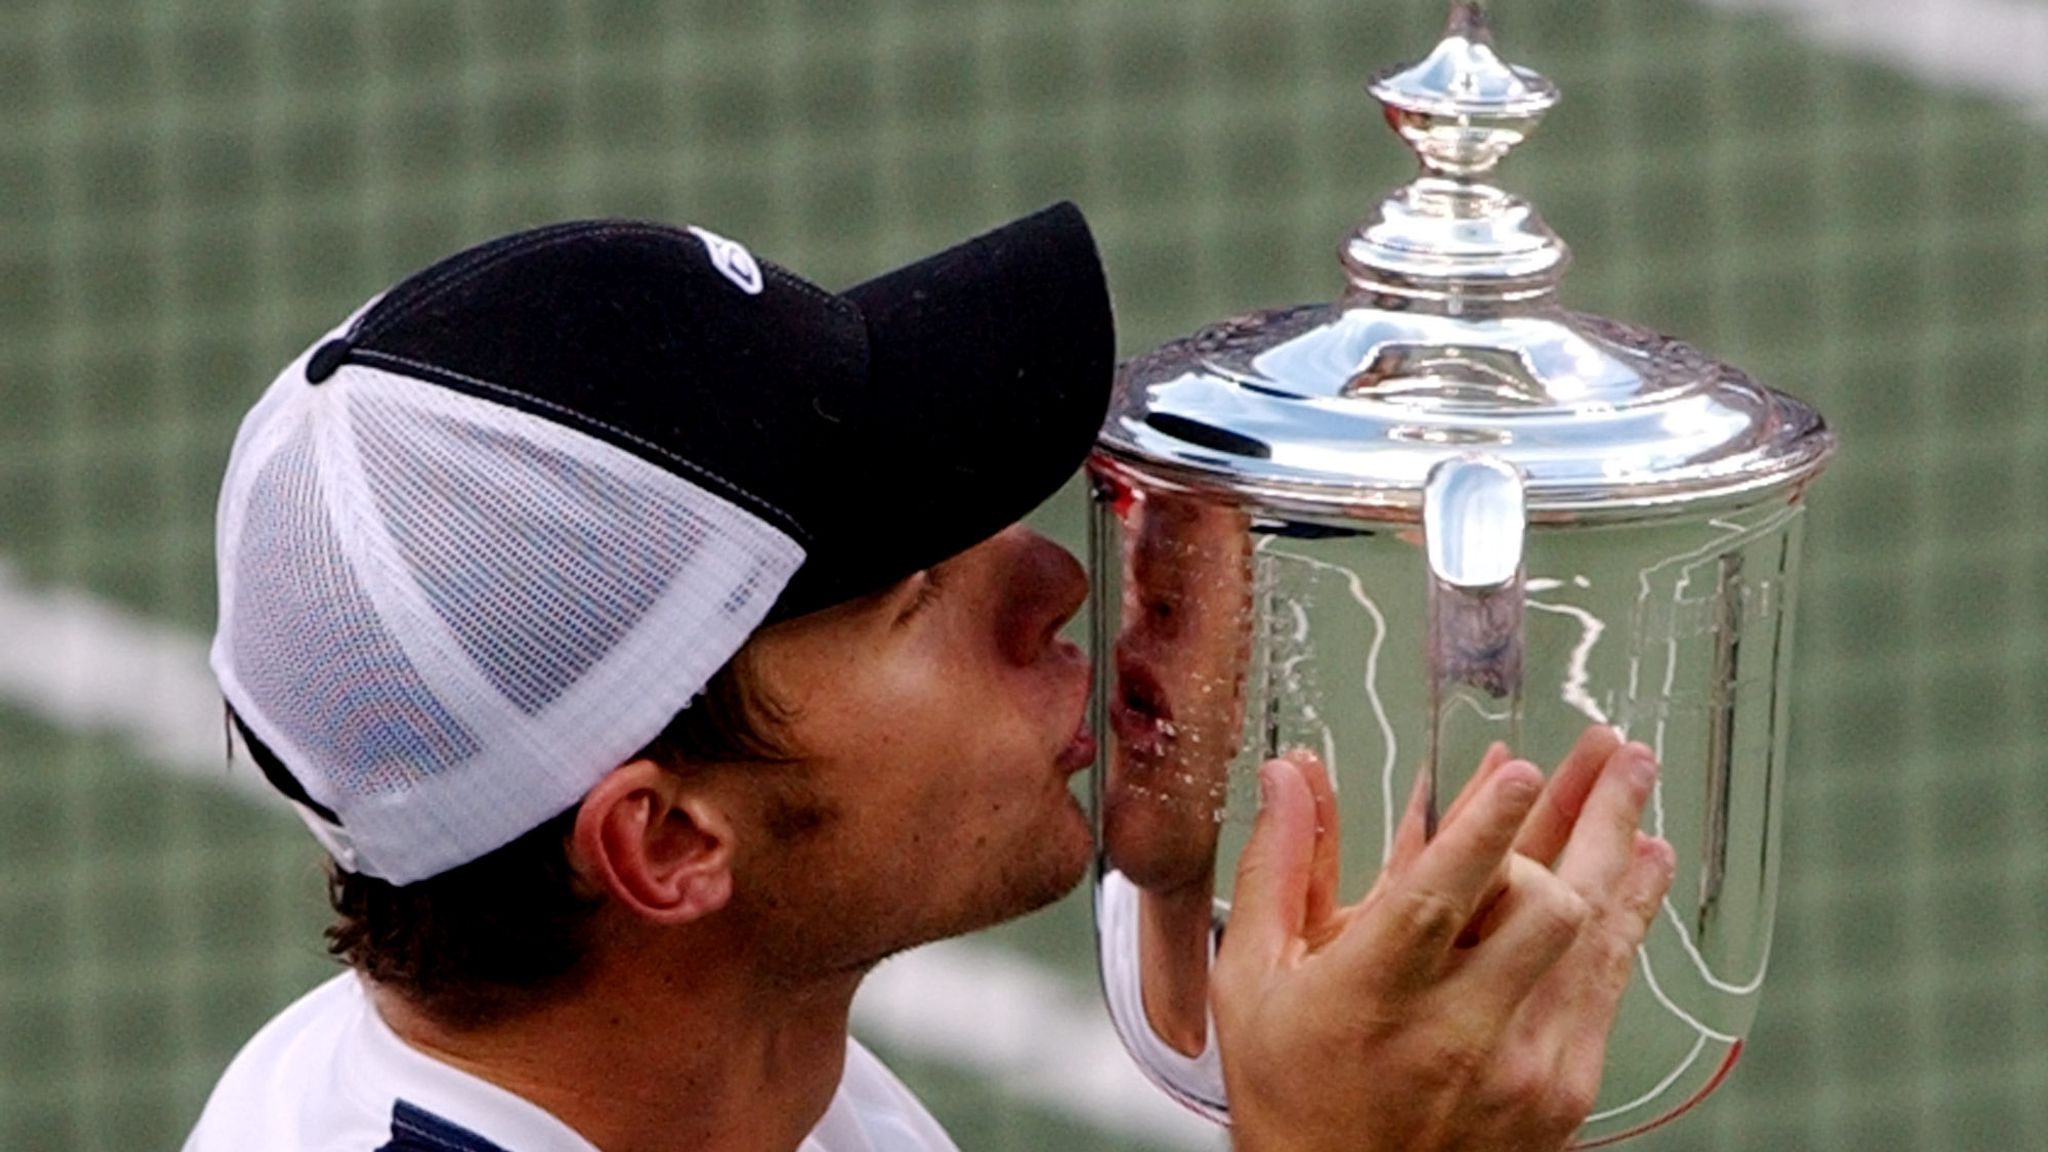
(659, 847)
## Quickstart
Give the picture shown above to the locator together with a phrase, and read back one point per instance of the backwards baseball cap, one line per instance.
(481, 543)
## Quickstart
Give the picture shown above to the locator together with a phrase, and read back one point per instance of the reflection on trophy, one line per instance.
(1439, 512)
(1175, 709)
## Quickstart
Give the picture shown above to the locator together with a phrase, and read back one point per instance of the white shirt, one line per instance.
(328, 1075)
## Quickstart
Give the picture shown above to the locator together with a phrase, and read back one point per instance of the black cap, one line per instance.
(884, 429)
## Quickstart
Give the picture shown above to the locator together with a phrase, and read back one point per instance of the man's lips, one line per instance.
(1138, 689)
(1138, 711)
(1138, 735)
(1080, 751)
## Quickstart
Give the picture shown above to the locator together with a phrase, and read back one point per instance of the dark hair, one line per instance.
(500, 934)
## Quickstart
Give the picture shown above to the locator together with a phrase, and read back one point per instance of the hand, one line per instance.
(1465, 1003)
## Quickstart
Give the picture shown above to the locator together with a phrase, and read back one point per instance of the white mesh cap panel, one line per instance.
(450, 618)
(536, 591)
(315, 658)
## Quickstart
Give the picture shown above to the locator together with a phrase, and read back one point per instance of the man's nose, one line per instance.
(1047, 586)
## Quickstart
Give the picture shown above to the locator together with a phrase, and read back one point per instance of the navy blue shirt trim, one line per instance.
(414, 1129)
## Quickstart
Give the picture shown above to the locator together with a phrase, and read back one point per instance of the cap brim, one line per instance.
(990, 367)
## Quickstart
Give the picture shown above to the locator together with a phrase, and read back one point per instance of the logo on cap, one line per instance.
(732, 260)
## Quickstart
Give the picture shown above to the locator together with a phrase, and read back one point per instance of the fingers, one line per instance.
(1598, 983)
(1270, 901)
(1550, 825)
(1325, 864)
(1602, 842)
(1654, 864)
(1534, 923)
(1413, 834)
(1412, 927)
(1623, 874)
(1497, 754)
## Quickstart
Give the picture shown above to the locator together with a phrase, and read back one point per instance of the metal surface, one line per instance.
(1447, 337)
(1474, 528)
(1461, 111)
(1340, 409)
(1439, 512)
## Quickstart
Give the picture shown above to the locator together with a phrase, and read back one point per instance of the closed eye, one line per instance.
(924, 596)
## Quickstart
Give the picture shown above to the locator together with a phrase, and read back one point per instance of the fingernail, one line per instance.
(1660, 853)
(1642, 768)
(1265, 785)
(1521, 781)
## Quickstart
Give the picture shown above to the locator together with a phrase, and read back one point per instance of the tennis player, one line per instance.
(646, 635)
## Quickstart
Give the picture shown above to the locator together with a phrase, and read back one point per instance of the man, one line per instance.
(645, 634)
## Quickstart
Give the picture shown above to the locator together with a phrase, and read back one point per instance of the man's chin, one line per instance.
(1032, 874)
(1079, 856)
(1060, 861)
(1077, 868)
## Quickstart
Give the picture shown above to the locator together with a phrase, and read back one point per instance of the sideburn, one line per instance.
(792, 811)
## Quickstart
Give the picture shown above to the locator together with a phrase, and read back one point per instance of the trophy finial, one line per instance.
(1451, 236)
(1468, 19)
(1463, 108)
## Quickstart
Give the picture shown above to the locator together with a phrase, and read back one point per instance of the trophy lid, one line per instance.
(1448, 339)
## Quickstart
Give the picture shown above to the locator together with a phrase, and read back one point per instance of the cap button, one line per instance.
(327, 360)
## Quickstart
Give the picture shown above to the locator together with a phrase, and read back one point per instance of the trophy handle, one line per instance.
(1474, 530)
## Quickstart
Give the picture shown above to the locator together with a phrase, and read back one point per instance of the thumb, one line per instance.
(1270, 901)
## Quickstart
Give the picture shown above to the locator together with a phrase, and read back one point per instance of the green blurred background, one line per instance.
(191, 192)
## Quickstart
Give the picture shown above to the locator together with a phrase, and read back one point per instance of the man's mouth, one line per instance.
(1081, 748)
(1080, 751)
(1139, 713)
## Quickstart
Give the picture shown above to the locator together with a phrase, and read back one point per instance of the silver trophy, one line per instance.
(1436, 513)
